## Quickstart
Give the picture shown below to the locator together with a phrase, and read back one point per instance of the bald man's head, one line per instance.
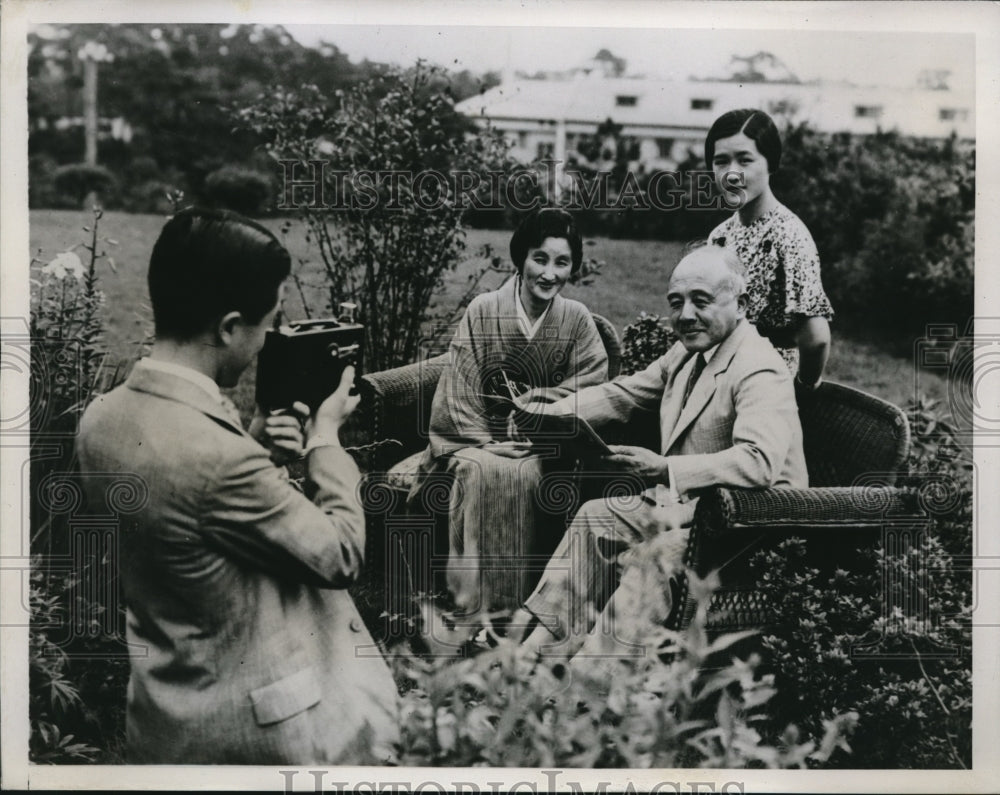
(707, 297)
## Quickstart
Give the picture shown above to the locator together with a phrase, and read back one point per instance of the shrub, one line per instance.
(685, 706)
(54, 700)
(892, 638)
(240, 189)
(645, 341)
(893, 219)
(845, 644)
(150, 197)
(74, 182)
(386, 249)
(144, 168)
(41, 180)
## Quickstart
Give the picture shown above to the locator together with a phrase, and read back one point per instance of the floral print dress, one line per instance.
(783, 275)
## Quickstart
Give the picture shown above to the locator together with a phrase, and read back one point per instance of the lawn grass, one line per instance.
(632, 279)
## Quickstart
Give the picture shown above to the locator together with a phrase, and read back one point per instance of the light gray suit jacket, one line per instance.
(740, 426)
(245, 649)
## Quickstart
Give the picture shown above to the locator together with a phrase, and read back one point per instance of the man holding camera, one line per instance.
(245, 647)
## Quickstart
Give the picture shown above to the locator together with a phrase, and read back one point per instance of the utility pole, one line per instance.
(91, 54)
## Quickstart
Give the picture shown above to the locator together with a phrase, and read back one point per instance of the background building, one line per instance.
(665, 121)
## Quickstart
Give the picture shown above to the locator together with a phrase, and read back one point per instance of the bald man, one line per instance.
(728, 417)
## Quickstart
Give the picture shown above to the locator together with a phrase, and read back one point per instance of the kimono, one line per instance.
(501, 528)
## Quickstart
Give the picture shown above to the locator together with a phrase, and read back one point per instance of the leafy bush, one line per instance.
(674, 708)
(240, 189)
(845, 644)
(892, 638)
(41, 180)
(893, 219)
(152, 196)
(387, 247)
(74, 182)
(53, 698)
(645, 341)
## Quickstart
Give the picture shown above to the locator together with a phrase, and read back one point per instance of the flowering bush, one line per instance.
(76, 711)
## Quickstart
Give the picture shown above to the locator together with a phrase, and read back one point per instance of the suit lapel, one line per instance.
(670, 410)
(704, 389)
(172, 387)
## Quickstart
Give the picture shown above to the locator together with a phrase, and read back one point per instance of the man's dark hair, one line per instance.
(755, 125)
(541, 224)
(209, 262)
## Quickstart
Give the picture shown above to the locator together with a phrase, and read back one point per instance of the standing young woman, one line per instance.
(787, 301)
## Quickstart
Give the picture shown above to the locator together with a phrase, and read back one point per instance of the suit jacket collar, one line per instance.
(173, 387)
(705, 388)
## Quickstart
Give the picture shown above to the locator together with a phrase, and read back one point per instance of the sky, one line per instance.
(882, 57)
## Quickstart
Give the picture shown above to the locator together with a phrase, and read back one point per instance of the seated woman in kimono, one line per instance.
(521, 336)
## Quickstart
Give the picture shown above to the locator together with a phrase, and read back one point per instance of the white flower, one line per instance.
(65, 264)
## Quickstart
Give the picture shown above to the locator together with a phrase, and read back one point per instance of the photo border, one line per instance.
(979, 19)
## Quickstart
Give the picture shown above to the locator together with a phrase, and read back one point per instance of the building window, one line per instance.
(665, 147)
(701, 104)
(868, 111)
(626, 101)
(953, 114)
(544, 151)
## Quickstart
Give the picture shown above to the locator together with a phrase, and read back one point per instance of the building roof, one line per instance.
(648, 105)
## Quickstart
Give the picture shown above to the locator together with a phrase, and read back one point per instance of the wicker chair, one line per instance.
(856, 447)
(397, 406)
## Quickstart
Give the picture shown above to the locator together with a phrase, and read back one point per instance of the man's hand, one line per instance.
(335, 410)
(281, 432)
(639, 461)
(509, 449)
(543, 401)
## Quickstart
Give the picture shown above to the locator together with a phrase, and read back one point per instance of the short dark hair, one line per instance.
(540, 224)
(755, 125)
(209, 262)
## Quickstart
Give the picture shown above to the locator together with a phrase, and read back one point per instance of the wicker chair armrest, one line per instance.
(401, 385)
(397, 405)
(725, 510)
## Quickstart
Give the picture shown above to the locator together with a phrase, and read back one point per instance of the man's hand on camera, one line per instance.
(281, 432)
(335, 410)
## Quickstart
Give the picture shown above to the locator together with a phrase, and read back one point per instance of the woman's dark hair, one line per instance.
(755, 125)
(540, 224)
(209, 262)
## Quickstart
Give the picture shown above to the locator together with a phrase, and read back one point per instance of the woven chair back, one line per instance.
(851, 437)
